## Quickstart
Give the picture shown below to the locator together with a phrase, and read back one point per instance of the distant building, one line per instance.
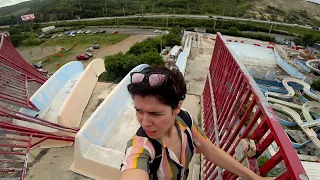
(314, 1)
(47, 29)
(175, 51)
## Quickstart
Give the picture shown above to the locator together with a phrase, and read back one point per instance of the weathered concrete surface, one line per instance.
(198, 64)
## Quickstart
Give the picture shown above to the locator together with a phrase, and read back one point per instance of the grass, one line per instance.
(83, 42)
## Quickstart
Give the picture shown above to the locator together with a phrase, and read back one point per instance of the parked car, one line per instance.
(219, 18)
(88, 32)
(41, 36)
(80, 32)
(114, 32)
(90, 49)
(89, 54)
(67, 33)
(96, 46)
(82, 57)
(103, 31)
(72, 35)
(210, 16)
(54, 36)
(96, 32)
(315, 27)
(60, 35)
(158, 31)
(37, 65)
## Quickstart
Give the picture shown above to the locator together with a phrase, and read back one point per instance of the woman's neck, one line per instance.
(170, 131)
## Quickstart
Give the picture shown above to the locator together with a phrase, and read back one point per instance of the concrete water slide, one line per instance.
(305, 126)
(63, 98)
(309, 65)
(100, 144)
(291, 92)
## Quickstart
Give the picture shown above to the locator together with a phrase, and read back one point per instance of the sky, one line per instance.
(315, 1)
(4, 3)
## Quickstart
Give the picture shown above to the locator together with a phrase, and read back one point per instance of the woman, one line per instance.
(168, 137)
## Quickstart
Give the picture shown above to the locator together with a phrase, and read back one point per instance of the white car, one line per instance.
(54, 36)
(158, 31)
(80, 32)
(90, 49)
(60, 35)
(72, 35)
(88, 32)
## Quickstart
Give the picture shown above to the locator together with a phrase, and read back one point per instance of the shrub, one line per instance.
(119, 65)
(31, 41)
(316, 84)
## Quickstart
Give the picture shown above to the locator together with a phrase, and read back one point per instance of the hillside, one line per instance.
(52, 10)
(295, 11)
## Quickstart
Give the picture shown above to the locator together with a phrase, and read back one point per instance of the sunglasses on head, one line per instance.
(154, 79)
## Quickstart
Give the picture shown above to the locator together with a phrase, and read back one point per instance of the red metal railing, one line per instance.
(10, 57)
(18, 140)
(13, 88)
(14, 152)
(235, 109)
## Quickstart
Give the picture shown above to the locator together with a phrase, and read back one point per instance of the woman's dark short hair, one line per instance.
(170, 92)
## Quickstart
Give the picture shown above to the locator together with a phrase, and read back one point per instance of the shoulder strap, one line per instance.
(185, 116)
(158, 156)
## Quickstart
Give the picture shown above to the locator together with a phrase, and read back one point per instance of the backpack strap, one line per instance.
(154, 166)
(185, 116)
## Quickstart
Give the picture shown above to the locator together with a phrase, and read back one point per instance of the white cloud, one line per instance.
(4, 3)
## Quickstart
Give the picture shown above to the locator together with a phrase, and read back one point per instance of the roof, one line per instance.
(174, 50)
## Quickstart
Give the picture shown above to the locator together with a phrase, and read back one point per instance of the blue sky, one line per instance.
(4, 3)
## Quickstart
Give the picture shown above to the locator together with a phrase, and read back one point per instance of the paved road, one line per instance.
(175, 16)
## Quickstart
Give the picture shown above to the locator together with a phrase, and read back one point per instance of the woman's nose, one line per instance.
(145, 121)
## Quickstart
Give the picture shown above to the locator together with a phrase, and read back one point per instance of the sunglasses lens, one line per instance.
(156, 79)
(137, 78)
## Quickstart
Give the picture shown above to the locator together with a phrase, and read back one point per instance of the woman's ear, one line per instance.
(177, 110)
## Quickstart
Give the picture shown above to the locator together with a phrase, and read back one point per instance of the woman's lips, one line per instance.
(149, 132)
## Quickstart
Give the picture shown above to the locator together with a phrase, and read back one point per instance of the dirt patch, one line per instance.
(122, 46)
(35, 53)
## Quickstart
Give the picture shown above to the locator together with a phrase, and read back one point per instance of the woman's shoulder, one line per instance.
(141, 144)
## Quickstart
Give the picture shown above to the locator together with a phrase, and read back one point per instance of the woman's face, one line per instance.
(154, 117)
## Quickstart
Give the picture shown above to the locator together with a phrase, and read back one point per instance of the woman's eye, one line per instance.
(156, 114)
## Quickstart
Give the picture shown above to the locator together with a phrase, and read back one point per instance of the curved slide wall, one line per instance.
(303, 65)
(291, 92)
(308, 64)
(51, 95)
(292, 71)
(296, 117)
(72, 109)
(100, 144)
